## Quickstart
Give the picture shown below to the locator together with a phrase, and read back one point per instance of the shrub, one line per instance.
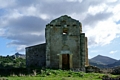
(116, 70)
(92, 69)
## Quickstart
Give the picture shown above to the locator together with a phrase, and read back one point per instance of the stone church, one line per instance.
(65, 47)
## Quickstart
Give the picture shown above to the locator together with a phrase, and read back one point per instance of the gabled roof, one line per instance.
(66, 20)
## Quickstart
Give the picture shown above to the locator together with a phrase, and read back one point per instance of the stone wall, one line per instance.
(86, 57)
(35, 56)
(82, 51)
(64, 36)
(66, 45)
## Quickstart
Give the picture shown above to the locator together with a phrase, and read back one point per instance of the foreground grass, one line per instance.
(56, 75)
(50, 78)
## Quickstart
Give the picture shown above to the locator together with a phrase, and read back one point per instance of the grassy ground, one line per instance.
(49, 78)
(56, 75)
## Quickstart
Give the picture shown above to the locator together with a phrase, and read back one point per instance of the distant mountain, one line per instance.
(115, 64)
(103, 60)
(97, 64)
(18, 55)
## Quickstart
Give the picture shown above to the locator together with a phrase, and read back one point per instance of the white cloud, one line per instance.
(6, 3)
(1, 32)
(111, 0)
(104, 32)
(14, 14)
(44, 16)
(21, 48)
(113, 52)
(74, 0)
(97, 9)
(24, 21)
(116, 12)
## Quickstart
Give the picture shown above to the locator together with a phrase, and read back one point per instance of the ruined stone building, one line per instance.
(65, 47)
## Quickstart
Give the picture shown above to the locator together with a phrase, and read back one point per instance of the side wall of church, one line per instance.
(35, 56)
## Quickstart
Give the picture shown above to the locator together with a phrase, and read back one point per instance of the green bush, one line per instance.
(92, 69)
(116, 71)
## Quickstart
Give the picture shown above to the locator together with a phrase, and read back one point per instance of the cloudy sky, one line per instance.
(22, 23)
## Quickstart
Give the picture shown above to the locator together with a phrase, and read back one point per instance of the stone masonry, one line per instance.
(35, 56)
(65, 47)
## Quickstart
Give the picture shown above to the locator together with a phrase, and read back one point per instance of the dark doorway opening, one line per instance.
(65, 61)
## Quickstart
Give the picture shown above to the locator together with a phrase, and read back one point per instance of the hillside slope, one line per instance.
(104, 60)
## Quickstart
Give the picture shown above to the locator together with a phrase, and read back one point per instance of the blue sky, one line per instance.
(22, 23)
(4, 49)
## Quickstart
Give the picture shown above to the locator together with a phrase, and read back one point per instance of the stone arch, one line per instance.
(65, 47)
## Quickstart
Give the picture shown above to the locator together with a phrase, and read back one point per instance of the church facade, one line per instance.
(65, 47)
